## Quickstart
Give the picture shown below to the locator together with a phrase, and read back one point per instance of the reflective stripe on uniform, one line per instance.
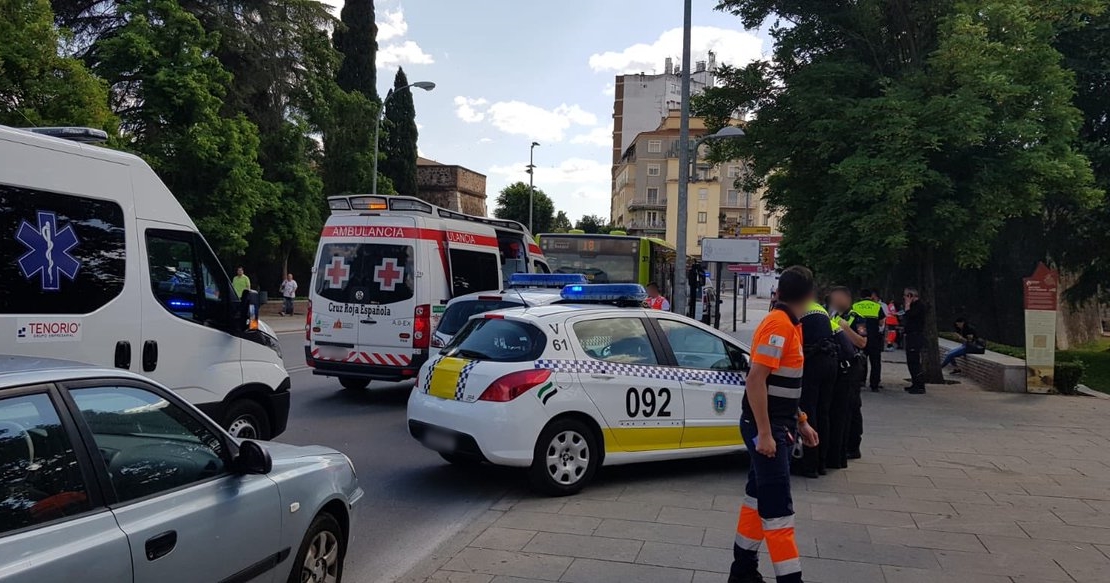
(789, 371)
(778, 523)
(767, 350)
(749, 528)
(783, 392)
(787, 567)
(781, 546)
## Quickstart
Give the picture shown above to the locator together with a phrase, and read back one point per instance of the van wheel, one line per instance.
(566, 456)
(246, 419)
(322, 551)
(354, 383)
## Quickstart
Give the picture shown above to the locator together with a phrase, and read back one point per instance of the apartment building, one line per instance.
(645, 190)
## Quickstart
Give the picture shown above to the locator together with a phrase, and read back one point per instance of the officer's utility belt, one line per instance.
(823, 347)
(849, 363)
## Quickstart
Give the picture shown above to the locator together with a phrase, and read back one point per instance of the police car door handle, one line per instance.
(602, 376)
(694, 383)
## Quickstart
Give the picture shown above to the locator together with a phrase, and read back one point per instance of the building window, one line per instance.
(734, 171)
(655, 146)
(653, 170)
(653, 195)
(703, 194)
(732, 198)
(653, 218)
(703, 217)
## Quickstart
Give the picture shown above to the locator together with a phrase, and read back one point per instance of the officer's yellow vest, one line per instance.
(868, 309)
(816, 308)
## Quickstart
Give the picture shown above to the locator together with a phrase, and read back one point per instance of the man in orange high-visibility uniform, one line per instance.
(770, 425)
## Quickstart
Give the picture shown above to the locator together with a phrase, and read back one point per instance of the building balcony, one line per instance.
(737, 205)
(648, 226)
(648, 203)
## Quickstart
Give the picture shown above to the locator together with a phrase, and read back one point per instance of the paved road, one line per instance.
(414, 500)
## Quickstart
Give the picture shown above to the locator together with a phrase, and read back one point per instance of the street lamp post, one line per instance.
(531, 184)
(680, 281)
(426, 86)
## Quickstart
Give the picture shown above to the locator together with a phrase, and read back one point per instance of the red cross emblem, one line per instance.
(388, 275)
(337, 272)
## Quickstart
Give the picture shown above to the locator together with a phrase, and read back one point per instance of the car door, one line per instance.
(711, 369)
(186, 516)
(53, 521)
(619, 366)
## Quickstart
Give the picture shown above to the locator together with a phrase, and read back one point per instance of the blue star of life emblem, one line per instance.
(49, 251)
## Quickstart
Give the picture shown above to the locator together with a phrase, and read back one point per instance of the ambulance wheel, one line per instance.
(566, 456)
(354, 383)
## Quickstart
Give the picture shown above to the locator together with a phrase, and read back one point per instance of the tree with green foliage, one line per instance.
(356, 37)
(349, 145)
(895, 132)
(562, 223)
(400, 137)
(512, 204)
(593, 224)
(38, 86)
(168, 90)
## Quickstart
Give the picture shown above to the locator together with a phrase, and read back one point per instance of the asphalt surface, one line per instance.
(414, 500)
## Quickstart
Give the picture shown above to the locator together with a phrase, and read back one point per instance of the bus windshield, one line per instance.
(602, 259)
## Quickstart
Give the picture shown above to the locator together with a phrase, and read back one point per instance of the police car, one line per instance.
(562, 389)
(524, 289)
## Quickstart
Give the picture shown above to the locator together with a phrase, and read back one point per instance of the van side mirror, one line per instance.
(246, 316)
(252, 459)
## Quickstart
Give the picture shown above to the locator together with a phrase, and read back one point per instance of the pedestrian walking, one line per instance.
(288, 292)
(913, 322)
(846, 410)
(971, 343)
(771, 424)
(870, 309)
(655, 300)
(818, 380)
(240, 282)
(774, 300)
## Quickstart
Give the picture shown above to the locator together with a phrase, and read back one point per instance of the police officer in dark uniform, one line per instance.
(845, 399)
(818, 379)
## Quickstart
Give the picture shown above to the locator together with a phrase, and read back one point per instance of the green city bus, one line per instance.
(612, 258)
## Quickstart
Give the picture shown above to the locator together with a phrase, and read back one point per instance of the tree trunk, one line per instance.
(929, 294)
(1076, 324)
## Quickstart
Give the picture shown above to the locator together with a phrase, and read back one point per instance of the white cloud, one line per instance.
(405, 53)
(519, 118)
(734, 47)
(391, 24)
(599, 136)
(485, 140)
(469, 109)
(578, 186)
(609, 90)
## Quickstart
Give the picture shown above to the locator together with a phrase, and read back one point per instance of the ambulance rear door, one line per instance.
(366, 277)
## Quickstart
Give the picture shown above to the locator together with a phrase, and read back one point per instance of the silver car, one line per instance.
(106, 476)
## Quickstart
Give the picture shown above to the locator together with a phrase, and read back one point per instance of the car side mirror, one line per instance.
(245, 315)
(253, 459)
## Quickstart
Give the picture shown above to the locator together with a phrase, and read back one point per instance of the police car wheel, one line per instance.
(353, 383)
(566, 456)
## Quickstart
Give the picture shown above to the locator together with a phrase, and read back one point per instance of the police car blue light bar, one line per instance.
(552, 280)
(605, 292)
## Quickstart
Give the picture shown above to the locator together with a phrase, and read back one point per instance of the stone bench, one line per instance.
(994, 371)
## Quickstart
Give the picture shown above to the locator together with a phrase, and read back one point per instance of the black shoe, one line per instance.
(752, 578)
(876, 389)
(854, 455)
(917, 391)
(908, 388)
(822, 472)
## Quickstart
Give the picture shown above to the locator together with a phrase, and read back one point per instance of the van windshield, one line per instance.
(365, 273)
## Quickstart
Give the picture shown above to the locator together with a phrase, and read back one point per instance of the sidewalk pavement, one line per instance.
(958, 485)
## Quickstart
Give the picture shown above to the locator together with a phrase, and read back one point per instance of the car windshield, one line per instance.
(459, 312)
(498, 340)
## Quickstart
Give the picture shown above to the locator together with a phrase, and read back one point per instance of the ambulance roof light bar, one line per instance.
(546, 280)
(622, 294)
(368, 203)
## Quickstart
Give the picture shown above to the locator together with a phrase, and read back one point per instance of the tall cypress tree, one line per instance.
(400, 141)
(357, 39)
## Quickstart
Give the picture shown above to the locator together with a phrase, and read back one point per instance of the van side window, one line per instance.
(59, 253)
(186, 278)
(474, 271)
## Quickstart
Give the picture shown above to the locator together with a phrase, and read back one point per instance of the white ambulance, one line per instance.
(100, 264)
(385, 270)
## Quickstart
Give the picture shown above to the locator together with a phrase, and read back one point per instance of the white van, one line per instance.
(385, 269)
(100, 264)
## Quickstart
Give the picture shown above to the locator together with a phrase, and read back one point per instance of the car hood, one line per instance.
(284, 452)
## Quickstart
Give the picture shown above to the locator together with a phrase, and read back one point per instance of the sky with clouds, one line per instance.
(509, 72)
